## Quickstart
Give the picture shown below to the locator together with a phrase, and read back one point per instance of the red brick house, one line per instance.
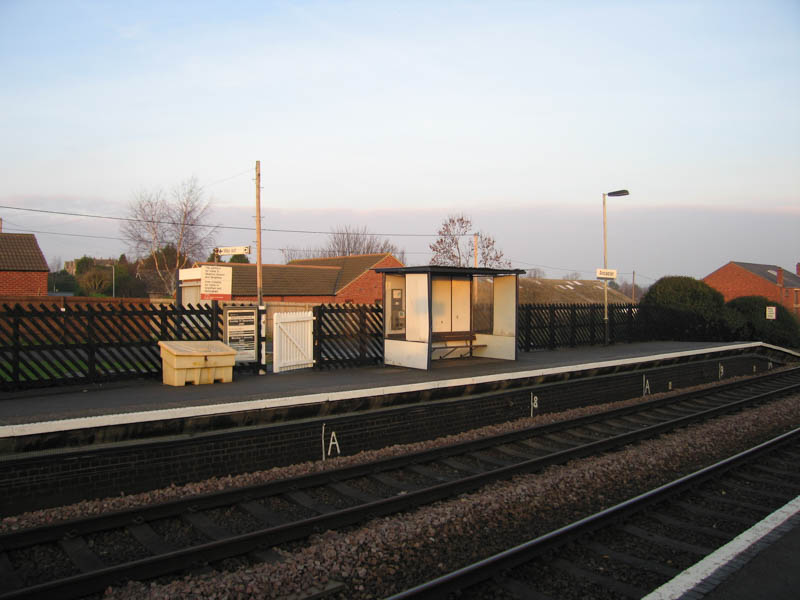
(337, 279)
(23, 269)
(737, 279)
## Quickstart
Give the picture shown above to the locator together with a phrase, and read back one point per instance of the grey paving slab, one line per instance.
(773, 573)
(146, 395)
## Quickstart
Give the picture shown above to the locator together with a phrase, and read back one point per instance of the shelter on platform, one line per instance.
(435, 312)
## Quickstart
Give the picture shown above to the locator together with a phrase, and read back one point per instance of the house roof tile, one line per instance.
(282, 280)
(21, 252)
(770, 273)
(304, 277)
(350, 267)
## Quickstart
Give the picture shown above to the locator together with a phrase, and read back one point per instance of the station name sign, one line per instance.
(606, 273)
(230, 250)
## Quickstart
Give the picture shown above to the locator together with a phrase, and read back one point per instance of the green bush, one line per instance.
(684, 308)
(783, 331)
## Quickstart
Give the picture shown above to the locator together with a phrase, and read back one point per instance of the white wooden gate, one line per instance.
(293, 342)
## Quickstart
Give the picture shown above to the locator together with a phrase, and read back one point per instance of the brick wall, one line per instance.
(733, 281)
(368, 288)
(296, 299)
(77, 301)
(23, 283)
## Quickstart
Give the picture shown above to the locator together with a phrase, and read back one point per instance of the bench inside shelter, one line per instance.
(434, 312)
(453, 343)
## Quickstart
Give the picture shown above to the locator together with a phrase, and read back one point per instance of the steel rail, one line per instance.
(124, 517)
(513, 557)
(85, 583)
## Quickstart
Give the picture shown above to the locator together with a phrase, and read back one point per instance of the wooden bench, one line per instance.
(466, 337)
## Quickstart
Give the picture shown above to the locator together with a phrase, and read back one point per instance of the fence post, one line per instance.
(381, 330)
(215, 312)
(162, 332)
(612, 317)
(90, 343)
(317, 310)
(592, 320)
(16, 314)
(551, 342)
(178, 320)
(362, 334)
(572, 326)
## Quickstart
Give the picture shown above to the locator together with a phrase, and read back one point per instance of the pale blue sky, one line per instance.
(519, 114)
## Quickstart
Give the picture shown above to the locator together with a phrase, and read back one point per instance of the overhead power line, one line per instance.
(208, 185)
(231, 227)
(80, 235)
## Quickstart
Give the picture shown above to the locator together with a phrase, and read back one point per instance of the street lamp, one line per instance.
(613, 194)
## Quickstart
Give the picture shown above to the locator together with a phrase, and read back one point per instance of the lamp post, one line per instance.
(605, 261)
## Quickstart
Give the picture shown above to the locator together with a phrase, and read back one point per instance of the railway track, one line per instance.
(85, 556)
(631, 549)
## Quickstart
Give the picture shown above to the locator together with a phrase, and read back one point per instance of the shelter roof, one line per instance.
(445, 270)
(770, 273)
(21, 252)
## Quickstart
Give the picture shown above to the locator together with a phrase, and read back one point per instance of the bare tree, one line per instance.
(179, 220)
(55, 264)
(455, 246)
(536, 273)
(290, 254)
(575, 275)
(633, 292)
(347, 240)
(95, 281)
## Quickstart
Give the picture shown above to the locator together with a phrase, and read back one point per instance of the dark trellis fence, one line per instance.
(347, 335)
(47, 346)
(548, 326)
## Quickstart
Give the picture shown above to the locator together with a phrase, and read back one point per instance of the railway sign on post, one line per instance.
(606, 273)
(230, 250)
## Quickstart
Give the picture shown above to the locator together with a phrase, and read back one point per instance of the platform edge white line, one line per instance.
(699, 572)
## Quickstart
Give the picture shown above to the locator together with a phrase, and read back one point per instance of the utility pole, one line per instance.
(258, 231)
(475, 248)
(633, 288)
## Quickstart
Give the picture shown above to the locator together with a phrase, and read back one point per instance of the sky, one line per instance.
(394, 115)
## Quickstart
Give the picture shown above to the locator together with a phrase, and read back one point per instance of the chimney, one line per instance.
(797, 268)
(780, 277)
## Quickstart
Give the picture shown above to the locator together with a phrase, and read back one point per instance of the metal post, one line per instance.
(258, 232)
(605, 281)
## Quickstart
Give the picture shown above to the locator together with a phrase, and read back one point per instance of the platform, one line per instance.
(762, 562)
(59, 409)
(60, 446)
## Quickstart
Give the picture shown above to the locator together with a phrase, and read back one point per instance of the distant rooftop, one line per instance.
(21, 252)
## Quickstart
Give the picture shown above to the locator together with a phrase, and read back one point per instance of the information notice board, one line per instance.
(241, 332)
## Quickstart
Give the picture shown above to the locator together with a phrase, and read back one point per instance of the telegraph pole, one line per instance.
(258, 231)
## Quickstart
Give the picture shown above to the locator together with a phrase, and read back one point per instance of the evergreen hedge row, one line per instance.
(684, 308)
